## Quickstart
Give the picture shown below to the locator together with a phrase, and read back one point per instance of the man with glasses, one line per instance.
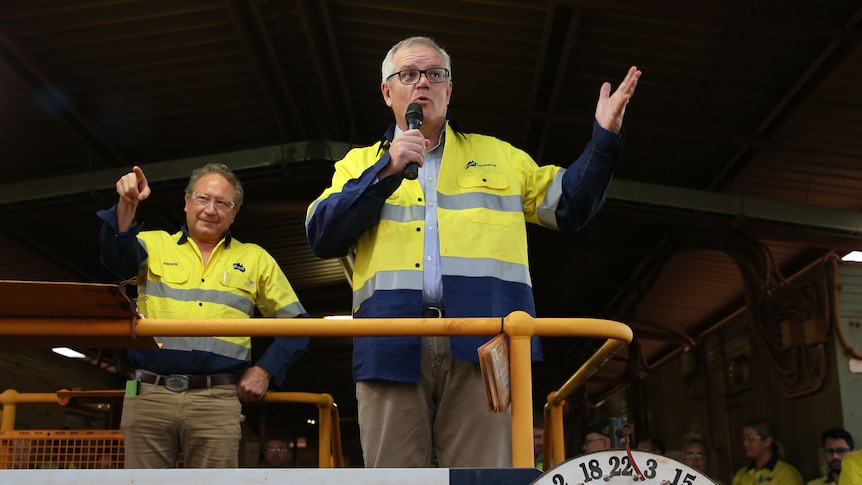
(277, 453)
(186, 393)
(837, 443)
(450, 243)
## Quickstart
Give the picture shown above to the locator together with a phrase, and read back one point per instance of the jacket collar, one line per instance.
(387, 137)
(184, 237)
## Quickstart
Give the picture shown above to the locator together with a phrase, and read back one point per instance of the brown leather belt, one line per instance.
(183, 382)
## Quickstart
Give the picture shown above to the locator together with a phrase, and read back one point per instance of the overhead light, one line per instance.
(853, 257)
(67, 352)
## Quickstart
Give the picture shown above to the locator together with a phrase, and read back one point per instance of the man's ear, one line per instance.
(387, 93)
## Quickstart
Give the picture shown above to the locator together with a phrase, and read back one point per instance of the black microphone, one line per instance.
(414, 118)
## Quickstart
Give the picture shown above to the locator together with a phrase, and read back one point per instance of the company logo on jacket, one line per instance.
(472, 163)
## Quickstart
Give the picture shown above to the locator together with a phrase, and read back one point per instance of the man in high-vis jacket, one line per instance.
(450, 243)
(186, 394)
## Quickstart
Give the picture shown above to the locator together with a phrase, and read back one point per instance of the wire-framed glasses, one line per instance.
(203, 200)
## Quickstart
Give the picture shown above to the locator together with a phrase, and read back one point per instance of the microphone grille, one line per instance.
(414, 111)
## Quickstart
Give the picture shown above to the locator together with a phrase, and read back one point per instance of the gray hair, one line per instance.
(388, 68)
(224, 171)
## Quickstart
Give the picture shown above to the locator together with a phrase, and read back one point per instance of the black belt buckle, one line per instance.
(432, 312)
(177, 382)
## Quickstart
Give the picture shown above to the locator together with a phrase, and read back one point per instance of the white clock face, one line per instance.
(616, 468)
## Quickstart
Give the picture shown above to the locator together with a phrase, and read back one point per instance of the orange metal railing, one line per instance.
(519, 326)
(104, 448)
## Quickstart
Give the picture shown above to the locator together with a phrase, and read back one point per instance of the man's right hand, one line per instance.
(132, 188)
(408, 146)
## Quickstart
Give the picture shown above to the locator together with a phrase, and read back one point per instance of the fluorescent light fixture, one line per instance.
(67, 352)
(853, 256)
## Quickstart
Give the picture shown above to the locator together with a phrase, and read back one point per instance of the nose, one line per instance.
(423, 79)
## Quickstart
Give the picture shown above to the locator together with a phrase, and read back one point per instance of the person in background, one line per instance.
(187, 393)
(696, 455)
(538, 444)
(851, 469)
(761, 445)
(277, 453)
(597, 436)
(450, 243)
(837, 443)
(651, 444)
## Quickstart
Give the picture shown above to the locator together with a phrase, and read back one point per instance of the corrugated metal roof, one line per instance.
(756, 99)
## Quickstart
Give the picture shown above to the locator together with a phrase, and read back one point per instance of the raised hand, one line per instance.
(611, 108)
(133, 186)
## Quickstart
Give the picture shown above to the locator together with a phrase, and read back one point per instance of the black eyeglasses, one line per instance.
(412, 76)
(836, 451)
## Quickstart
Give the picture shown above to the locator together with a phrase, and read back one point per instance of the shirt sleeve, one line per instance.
(585, 182)
(283, 352)
(120, 252)
(352, 205)
(277, 299)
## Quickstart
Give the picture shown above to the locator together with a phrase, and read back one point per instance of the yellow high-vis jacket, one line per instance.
(487, 191)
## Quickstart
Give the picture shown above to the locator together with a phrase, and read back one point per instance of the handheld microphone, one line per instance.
(414, 118)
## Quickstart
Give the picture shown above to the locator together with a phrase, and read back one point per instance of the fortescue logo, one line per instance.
(472, 163)
(239, 266)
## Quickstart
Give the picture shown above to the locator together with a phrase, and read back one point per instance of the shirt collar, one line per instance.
(387, 137)
(184, 237)
(770, 465)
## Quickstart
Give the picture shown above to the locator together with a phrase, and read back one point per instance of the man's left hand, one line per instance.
(253, 384)
(611, 108)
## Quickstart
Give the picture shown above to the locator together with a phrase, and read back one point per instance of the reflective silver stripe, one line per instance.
(388, 280)
(546, 211)
(397, 213)
(207, 344)
(476, 200)
(290, 310)
(311, 211)
(163, 290)
(478, 267)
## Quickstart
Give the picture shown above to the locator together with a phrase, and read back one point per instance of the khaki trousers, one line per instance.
(443, 420)
(202, 423)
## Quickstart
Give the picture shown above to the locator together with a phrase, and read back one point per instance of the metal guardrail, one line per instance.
(519, 326)
(21, 450)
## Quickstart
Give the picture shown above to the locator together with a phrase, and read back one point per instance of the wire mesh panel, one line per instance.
(67, 449)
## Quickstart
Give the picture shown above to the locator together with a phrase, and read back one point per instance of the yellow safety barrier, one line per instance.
(104, 448)
(519, 326)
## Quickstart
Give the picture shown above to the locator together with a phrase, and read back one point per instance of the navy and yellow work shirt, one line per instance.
(774, 472)
(486, 193)
(174, 282)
